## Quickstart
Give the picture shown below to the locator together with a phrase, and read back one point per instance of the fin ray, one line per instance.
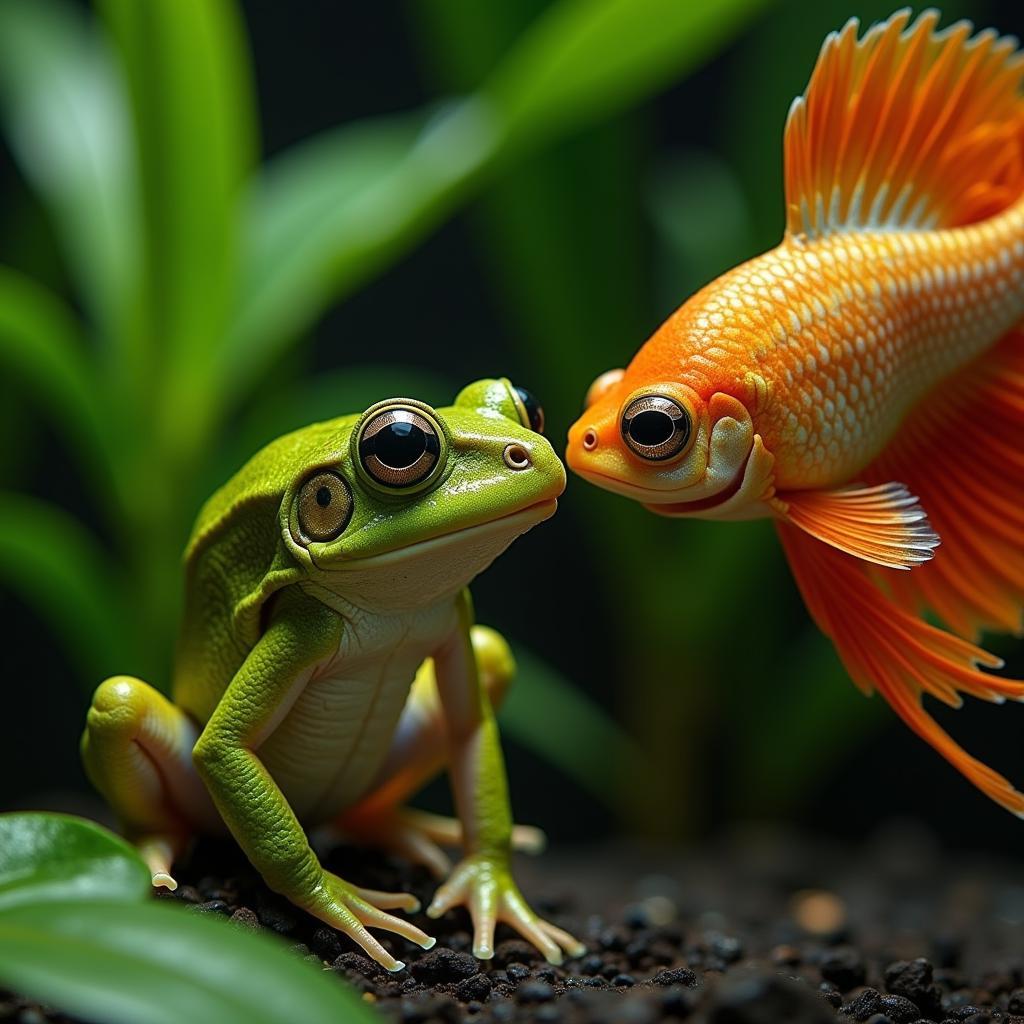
(883, 524)
(886, 648)
(906, 127)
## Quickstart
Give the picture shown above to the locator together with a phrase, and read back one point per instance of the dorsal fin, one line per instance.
(905, 128)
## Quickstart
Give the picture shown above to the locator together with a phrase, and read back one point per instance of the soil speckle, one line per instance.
(758, 928)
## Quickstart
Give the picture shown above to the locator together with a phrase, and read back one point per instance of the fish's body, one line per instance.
(863, 382)
(834, 340)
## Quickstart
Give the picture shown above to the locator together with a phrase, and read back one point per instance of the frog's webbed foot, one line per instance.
(484, 884)
(418, 836)
(353, 911)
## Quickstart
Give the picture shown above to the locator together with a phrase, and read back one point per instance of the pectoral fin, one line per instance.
(884, 524)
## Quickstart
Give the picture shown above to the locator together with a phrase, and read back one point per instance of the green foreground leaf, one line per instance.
(57, 857)
(146, 963)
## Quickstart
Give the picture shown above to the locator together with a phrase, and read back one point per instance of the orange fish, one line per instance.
(863, 383)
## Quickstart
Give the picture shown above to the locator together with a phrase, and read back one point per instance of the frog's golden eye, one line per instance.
(399, 447)
(324, 507)
(655, 427)
(532, 412)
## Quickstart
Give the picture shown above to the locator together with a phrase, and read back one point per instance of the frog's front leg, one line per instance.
(301, 635)
(483, 879)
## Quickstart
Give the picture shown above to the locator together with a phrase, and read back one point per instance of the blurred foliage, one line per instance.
(79, 930)
(193, 270)
(164, 348)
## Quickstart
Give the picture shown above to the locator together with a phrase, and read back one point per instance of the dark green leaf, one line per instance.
(41, 344)
(68, 125)
(57, 857)
(58, 567)
(150, 964)
(585, 59)
(185, 62)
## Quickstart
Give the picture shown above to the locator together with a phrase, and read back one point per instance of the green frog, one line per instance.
(328, 665)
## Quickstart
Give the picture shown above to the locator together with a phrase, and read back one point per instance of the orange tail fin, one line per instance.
(886, 648)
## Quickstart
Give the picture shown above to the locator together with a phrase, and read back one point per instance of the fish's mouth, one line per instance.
(683, 508)
(661, 502)
(516, 523)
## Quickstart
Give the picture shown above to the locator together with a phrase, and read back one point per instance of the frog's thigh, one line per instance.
(137, 749)
(418, 749)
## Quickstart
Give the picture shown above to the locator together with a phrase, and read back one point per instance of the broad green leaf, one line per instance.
(67, 121)
(324, 217)
(582, 61)
(293, 214)
(41, 344)
(550, 716)
(585, 59)
(146, 963)
(57, 857)
(57, 566)
(186, 66)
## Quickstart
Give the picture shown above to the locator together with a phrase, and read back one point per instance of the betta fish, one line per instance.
(862, 384)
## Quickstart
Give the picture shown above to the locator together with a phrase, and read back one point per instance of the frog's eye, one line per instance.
(532, 412)
(324, 507)
(655, 427)
(399, 447)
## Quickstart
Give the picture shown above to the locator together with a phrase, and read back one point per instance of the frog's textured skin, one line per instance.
(322, 681)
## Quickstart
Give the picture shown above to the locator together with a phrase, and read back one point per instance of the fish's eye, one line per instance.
(324, 507)
(655, 427)
(399, 447)
(534, 411)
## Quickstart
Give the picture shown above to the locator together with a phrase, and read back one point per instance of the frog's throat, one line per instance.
(429, 570)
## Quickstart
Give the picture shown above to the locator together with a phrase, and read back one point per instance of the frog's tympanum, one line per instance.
(328, 664)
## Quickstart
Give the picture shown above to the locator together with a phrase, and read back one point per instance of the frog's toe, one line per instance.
(374, 917)
(162, 880)
(390, 900)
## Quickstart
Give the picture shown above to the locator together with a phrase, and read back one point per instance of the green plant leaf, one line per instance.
(56, 565)
(548, 715)
(185, 62)
(41, 344)
(47, 857)
(354, 200)
(325, 216)
(67, 121)
(144, 963)
(584, 59)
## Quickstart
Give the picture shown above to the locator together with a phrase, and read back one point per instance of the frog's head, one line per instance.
(406, 503)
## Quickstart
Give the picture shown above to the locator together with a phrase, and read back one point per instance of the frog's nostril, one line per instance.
(516, 457)
(590, 439)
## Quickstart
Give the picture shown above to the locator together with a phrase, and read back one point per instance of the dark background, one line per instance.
(320, 64)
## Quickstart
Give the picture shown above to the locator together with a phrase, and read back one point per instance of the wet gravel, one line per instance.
(759, 928)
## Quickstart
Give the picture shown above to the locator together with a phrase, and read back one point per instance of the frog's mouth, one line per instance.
(485, 534)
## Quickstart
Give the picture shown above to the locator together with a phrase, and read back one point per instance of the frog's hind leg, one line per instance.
(417, 754)
(137, 750)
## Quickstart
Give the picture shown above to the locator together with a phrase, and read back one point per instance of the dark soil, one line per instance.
(758, 929)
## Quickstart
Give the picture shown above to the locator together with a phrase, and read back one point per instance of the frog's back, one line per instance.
(235, 559)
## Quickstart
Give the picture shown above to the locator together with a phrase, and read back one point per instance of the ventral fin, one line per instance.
(884, 524)
(907, 127)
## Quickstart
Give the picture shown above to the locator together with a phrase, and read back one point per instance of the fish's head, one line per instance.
(668, 447)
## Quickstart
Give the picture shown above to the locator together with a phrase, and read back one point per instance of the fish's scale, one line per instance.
(846, 333)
